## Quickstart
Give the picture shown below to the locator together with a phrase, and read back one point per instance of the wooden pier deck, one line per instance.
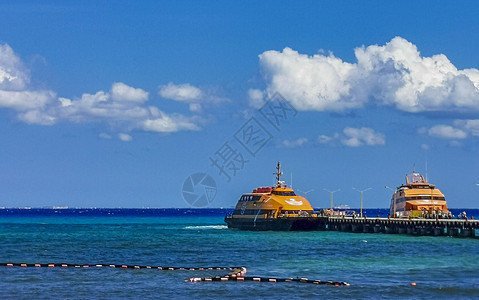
(418, 227)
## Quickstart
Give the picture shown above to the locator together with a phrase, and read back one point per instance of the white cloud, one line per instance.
(461, 130)
(123, 92)
(471, 126)
(125, 137)
(161, 122)
(13, 75)
(37, 117)
(14, 81)
(310, 83)
(447, 132)
(355, 137)
(181, 92)
(123, 106)
(168, 124)
(394, 74)
(256, 98)
(324, 139)
(195, 107)
(102, 106)
(25, 100)
(194, 96)
(295, 143)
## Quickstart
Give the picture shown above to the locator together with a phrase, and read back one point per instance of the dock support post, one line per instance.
(452, 231)
(467, 232)
(410, 229)
(438, 231)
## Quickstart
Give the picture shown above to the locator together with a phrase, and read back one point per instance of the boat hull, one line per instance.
(274, 224)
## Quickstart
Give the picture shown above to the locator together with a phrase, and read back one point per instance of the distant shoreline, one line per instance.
(170, 208)
(166, 212)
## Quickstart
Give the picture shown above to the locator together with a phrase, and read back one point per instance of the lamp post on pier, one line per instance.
(361, 191)
(332, 192)
(393, 200)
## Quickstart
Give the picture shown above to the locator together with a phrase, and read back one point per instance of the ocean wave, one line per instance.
(207, 227)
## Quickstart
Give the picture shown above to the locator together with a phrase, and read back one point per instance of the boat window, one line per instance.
(421, 198)
(283, 193)
(253, 212)
(249, 198)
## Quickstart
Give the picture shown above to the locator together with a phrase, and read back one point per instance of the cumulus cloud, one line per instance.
(123, 105)
(460, 130)
(123, 92)
(295, 143)
(13, 75)
(125, 137)
(324, 139)
(447, 132)
(161, 122)
(101, 106)
(256, 98)
(25, 100)
(14, 81)
(393, 74)
(470, 126)
(354, 137)
(194, 96)
(181, 92)
(168, 124)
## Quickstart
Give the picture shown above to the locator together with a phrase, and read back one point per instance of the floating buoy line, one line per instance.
(235, 274)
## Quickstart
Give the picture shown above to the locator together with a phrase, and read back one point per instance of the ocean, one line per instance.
(375, 265)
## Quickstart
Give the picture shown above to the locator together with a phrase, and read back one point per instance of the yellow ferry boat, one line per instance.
(273, 208)
(418, 198)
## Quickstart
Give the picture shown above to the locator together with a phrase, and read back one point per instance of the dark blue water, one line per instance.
(376, 265)
(166, 212)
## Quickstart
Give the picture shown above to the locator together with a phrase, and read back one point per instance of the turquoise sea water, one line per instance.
(376, 265)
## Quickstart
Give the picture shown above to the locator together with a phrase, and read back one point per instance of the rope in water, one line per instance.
(236, 274)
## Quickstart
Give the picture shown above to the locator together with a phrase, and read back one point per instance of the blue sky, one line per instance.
(116, 105)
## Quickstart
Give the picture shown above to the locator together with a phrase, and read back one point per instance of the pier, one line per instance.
(417, 227)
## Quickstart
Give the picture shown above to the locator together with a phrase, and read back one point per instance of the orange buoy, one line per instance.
(413, 284)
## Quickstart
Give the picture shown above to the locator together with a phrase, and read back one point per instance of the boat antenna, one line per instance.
(291, 179)
(426, 166)
(278, 173)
